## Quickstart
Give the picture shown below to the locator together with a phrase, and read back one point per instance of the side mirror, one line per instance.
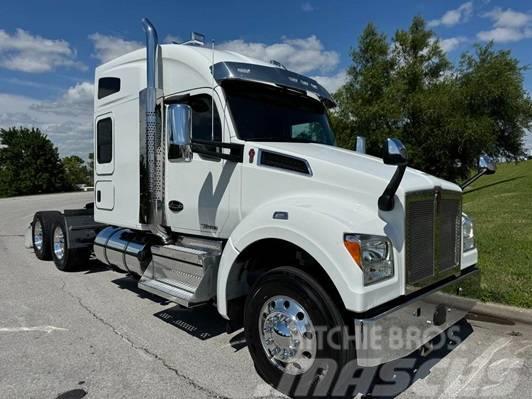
(487, 163)
(179, 132)
(395, 153)
(486, 166)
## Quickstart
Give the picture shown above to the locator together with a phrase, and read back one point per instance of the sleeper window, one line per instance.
(104, 140)
(108, 86)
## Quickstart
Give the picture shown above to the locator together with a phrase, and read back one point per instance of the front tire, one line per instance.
(66, 258)
(287, 319)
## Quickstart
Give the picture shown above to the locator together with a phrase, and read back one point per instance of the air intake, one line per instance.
(286, 162)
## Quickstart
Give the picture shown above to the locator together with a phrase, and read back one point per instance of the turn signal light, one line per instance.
(353, 247)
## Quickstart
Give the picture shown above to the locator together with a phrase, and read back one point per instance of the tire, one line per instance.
(65, 258)
(40, 235)
(287, 308)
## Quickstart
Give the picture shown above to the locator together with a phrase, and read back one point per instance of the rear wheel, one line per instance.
(66, 258)
(40, 236)
(288, 317)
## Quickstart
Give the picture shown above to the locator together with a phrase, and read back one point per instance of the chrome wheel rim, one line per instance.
(59, 243)
(38, 235)
(287, 335)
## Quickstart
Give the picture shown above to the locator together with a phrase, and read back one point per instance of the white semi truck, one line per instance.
(217, 181)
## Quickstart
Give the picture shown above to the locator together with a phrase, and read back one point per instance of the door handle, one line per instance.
(175, 206)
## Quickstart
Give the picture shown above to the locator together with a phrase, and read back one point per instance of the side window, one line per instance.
(104, 140)
(202, 118)
(108, 86)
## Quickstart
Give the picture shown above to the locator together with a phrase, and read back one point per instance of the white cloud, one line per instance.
(508, 26)
(307, 7)
(451, 43)
(454, 17)
(299, 55)
(504, 35)
(75, 101)
(508, 18)
(332, 83)
(22, 51)
(108, 47)
(66, 120)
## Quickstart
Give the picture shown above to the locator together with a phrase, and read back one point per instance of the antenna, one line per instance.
(212, 90)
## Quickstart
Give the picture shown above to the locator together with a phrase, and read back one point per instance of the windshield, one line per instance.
(266, 113)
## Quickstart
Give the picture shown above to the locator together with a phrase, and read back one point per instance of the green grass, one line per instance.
(501, 207)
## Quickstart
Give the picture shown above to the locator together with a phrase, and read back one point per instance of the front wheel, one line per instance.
(296, 334)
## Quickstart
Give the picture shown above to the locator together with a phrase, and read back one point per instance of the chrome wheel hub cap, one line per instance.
(38, 235)
(59, 243)
(287, 335)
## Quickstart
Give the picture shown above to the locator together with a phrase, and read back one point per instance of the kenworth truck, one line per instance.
(217, 181)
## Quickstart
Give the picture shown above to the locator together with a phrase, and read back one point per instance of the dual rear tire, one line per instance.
(49, 237)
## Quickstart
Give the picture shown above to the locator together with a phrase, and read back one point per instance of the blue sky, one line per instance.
(48, 50)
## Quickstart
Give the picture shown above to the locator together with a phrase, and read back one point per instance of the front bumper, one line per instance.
(396, 330)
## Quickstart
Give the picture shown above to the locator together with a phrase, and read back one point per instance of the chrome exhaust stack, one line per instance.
(152, 210)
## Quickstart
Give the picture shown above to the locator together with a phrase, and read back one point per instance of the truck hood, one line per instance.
(365, 174)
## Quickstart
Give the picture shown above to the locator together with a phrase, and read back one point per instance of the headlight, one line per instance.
(468, 236)
(373, 254)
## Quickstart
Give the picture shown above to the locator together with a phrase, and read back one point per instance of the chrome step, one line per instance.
(166, 291)
(185, 274)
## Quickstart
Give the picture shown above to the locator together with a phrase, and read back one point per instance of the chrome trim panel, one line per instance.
(376, 337)
(264, 74)
(189, 274)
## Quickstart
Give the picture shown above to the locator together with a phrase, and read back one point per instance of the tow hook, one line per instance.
(426, 349)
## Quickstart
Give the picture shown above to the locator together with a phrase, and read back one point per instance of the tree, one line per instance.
(75, 171)
(446, 116)
(492, 91)
(29, 163)
(365, 103)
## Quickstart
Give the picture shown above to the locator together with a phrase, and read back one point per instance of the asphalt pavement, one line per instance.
(93, 332)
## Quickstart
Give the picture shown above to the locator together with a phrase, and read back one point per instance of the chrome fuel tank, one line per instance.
(124, 249)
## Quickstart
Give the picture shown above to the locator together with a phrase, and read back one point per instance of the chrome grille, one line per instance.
(432, 228)
(420, 245)
(449, 233)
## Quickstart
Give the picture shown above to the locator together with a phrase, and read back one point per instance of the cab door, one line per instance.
(198, 191)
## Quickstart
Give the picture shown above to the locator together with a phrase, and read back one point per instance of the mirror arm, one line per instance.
(472, 179)
(386, 200)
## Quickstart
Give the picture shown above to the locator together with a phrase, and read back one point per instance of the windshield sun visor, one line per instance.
(277, 76)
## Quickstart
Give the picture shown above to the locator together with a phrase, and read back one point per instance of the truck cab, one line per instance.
(218, 180)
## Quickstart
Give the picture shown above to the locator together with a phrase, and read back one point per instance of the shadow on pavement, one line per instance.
(130, 283)
(93, 266)
(385, 381)
(393, 378)
(202, 322)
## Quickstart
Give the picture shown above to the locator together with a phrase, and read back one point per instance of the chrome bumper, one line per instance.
(398, 331)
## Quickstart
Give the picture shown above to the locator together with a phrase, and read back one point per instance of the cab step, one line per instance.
(185, 272)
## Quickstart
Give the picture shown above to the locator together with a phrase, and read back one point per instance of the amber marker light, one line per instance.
(353, 247)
